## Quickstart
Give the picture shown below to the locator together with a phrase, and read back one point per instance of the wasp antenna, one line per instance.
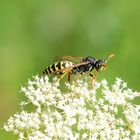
(110, 56)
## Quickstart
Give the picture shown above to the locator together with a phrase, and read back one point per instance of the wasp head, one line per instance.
(101, 64)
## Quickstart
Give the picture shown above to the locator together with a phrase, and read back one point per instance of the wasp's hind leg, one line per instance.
(62, 76)
(65, 73)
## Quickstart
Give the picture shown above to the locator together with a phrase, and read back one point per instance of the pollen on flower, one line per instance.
(81, 111)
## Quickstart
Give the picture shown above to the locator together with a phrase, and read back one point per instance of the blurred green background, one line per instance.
(33, 32)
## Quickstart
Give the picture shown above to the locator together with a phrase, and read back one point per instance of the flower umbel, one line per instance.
(82, 111)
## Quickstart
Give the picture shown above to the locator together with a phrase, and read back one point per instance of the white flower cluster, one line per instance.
(79, 111)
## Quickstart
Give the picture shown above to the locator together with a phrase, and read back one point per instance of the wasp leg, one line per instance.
(96, 75)
(65, 72)
(62, 76)
(69, 76)
(79, 76)
(74, 83)
(93, 77)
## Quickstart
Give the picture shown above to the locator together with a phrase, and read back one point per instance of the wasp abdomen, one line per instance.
(57, 68)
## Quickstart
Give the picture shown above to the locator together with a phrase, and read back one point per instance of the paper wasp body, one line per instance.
(68, 65)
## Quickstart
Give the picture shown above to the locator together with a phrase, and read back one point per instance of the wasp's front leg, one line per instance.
(93, 77)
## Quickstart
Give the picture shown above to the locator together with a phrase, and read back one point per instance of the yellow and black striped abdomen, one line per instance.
(54, 68)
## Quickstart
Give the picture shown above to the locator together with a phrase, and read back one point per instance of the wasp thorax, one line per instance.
(90, 59)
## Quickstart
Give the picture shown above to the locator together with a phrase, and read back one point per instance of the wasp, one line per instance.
(76, 65)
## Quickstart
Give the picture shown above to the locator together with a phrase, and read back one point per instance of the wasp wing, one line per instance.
(68, 58)
(66, 69)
